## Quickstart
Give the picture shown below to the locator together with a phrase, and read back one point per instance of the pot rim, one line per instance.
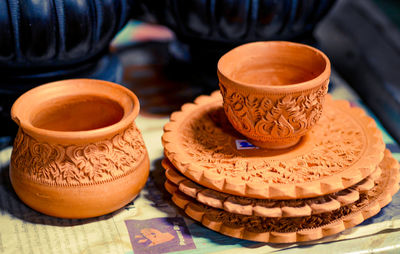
(297, 87)
(59, 89)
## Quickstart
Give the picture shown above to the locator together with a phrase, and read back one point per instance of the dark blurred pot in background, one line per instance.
(210, 25)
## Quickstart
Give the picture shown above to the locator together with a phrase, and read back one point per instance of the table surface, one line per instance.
(26, 231)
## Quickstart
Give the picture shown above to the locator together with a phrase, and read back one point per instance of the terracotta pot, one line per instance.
(78, 152)
(273, 91)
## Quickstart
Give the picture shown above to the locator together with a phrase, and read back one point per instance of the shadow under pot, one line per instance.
(78, 152)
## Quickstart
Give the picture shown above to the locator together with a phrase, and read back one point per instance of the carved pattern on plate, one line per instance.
(77, 164)
(268, 207)
(340, 144)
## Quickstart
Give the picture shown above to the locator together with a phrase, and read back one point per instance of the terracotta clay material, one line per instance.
(288, 230)
(273, 91)
(267, 207)
(78, 152)
(343, 148)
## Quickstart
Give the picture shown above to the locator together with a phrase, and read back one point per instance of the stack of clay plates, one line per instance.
(337, 176)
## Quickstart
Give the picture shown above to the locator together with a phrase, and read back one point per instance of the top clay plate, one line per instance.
(342, 149)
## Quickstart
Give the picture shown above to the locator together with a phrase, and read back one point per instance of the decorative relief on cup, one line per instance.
(77, 164)
(263, 117)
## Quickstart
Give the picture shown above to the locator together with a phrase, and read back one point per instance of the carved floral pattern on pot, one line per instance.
(78, 164)
(265, 118)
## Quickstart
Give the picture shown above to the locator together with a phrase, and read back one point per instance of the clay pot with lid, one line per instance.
(273, 91)
(78, 152)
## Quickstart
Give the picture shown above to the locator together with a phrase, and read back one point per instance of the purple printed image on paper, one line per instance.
(159, 235)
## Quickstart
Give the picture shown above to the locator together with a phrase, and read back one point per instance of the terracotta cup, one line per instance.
(273, 91)
(78, 152)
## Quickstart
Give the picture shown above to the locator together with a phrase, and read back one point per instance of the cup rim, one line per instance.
(309, 84)
(74, 87)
